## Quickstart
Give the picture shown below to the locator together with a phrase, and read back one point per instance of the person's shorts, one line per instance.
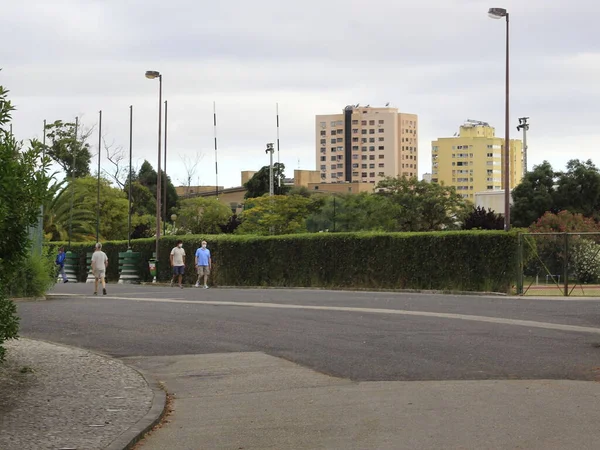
(99, 274)
(203, 270)
(178, 270)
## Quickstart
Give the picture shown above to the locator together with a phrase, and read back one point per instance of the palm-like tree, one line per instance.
(58, 218)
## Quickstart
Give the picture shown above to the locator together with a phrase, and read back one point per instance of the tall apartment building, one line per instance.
(472, 161)
(365, 144)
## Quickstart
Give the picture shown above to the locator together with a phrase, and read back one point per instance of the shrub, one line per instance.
(585, 260)
(461, 260)
(36, 276)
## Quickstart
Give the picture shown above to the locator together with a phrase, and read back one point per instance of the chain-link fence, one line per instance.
(559, 264)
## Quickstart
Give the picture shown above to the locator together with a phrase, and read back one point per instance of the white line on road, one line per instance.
(400, 312)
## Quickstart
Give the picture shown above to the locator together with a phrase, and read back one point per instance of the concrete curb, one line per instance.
(157, 411)
(135, 433)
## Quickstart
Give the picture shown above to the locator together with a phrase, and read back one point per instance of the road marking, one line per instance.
(400, 312)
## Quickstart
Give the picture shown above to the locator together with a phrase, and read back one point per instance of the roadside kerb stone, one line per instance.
(58, 397)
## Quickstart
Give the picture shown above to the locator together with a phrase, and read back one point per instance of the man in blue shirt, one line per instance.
(203, 264)
(60, 262)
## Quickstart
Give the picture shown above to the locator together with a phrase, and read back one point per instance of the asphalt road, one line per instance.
(369, 337)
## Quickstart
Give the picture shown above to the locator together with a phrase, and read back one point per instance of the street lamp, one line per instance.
(152, 74)
(499, 13)
(270, 149)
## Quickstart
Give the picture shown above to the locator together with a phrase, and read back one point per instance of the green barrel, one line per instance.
(71, 263)
(129, 264)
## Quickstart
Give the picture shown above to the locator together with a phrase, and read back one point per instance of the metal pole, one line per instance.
(566, 264)
(216, 165)
(130, 160)
(278, 161)
(507, 137)
(525, 149)
(334, 213)
(73, 183)
(158, 174)
(98, 199)
(165, 198)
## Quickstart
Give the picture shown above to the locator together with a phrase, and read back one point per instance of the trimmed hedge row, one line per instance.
(462, 260)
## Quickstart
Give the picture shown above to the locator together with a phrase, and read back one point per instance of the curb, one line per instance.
(136, 432)
(157, 411)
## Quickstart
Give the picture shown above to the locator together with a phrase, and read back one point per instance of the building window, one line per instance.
(372, 174)
(372, 131)
(340, 157)
(372, 148)
(381, 130)
(333, 141)
(381, 147)
(333, 149)
(340, 166)
(363, 166)
(371, 122)
(333, 123)
(323, 158)
(371, 166)
(340, 174)
(355, 139)
(323, 141)
(323, 132)
(381, 165)
(323, 176)
(364, 140)
(355, 156)
(364, 157)
(333, 166)
(355, 122)
(354, 174)
(363, 131)
(372, 140)
(333, 132)
(364, 149)
(372, 157)
(380, 122)
(340, 149)
(355, 147)
(381, 156)
(355, 130)
(381, 139)
(363, 122)
(381, 174)
(333, 158)
(322, 124)
(340, 139)
(355, 166)
(323, 167)
(364, 174)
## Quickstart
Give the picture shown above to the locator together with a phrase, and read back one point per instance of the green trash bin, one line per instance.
(129, 264)
(152, 265)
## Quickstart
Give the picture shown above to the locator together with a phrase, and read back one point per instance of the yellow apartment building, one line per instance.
(472, 160)
(364, 144)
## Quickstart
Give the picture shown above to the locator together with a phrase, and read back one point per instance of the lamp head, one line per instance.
(151, 74)
(497, 13)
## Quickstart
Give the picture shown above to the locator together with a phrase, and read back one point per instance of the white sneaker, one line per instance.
(205, 286)
(197, 285)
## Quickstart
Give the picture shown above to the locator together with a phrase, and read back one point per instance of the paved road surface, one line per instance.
(373, 370)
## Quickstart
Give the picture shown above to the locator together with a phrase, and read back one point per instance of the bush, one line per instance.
(462, 260)
(36, 276)
(585, 260)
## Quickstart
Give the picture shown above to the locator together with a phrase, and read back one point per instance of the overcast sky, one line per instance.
(440, 59)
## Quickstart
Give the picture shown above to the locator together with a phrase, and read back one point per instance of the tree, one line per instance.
(534, 195)
(258, 185)
(564, 222)
(64, 214)
(191, 167)
(232, 224)
(147, 177)
(116, 156)
(201, 215)
(483, 219)
(68, 148)
(578, 189)
(423, 206)
(279, 214)
(23, 189)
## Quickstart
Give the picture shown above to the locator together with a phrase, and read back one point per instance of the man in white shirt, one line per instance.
(178, 263)
(99, 265)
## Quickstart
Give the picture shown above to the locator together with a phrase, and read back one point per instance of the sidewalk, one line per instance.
(56, 397)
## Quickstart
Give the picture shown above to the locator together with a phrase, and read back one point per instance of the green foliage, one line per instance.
(585, 260)
(279, 214)
(144, 203)
(23, 183)
(68, 148)
(258, 185)
(482, 219)
(201, 215)
(543, 190)
(423, 206)
(458, 260)
(37, 274)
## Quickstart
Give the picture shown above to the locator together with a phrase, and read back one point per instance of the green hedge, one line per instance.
(462, 260)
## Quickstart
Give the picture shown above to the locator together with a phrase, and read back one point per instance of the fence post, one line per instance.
(520, 274)
(566, 264)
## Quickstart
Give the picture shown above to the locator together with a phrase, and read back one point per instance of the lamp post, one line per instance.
(130, 158)
(165, 198)
(499, 13)
(270, 149)
(152, 74)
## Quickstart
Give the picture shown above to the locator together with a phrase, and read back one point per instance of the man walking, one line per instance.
(60, 262)
(99, 265)
(203, 264)
(178, 263)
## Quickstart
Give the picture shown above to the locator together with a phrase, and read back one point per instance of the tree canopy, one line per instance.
(258, 185)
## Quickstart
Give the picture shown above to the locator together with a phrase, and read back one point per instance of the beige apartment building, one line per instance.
(363, 144)
(472, 160)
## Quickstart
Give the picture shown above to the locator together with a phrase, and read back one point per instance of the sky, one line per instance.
(440, 59)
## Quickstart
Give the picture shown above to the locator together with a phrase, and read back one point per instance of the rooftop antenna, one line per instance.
(278, 161)
(523, 125)
(216, 166)
(387, 104)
